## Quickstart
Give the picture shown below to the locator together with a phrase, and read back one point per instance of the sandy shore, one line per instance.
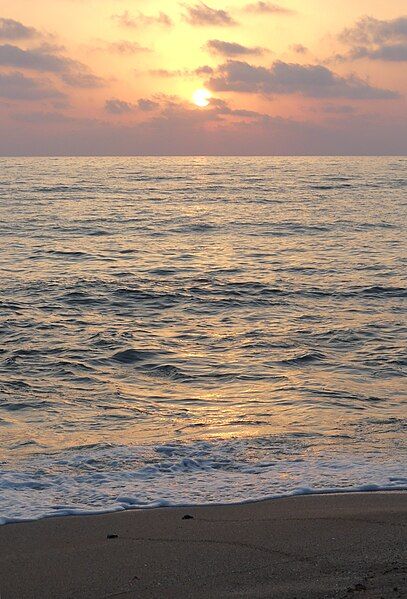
(303, 547)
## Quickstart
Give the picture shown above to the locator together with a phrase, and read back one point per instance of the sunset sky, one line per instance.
(121, 77)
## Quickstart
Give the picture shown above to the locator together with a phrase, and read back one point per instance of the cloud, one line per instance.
(175, 110)
(376, 39)
(268, 7)
(146, 105)
(232, 49)
(167, 73)
(16, 86)
(37, 59)
(220, 107)
(80, 76)
(369, 30)
(204, 70)
(299, 49)
(386, 52)
(116, 106)
(142, 20)
(125, 47)
(174, 114)
(201, 15)
(46, 59)
(180, 129)
(314, 81)
(172, 110)
(14, 30)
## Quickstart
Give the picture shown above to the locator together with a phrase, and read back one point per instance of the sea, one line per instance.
(200, 330)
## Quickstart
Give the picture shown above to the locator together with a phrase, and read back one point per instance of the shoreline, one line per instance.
(72, 513)
(313, 545)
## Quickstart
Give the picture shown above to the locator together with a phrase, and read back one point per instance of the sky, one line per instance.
(224, 77)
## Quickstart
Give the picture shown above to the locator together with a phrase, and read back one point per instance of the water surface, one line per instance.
(197, 330)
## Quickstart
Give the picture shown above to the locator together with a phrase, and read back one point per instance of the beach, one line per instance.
(315, 546)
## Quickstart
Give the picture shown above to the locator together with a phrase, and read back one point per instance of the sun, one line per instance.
(201, 97)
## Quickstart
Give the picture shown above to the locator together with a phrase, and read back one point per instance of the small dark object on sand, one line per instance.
(112, 536)
(187, 517)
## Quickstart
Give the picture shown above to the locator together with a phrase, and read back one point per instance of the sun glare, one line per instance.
(201, 97)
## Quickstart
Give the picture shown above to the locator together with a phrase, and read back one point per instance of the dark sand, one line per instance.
(346, 546)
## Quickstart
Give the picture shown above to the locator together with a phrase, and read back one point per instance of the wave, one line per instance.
(105, 477)
(131, 356)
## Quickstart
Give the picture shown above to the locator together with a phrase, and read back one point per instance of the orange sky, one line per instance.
(118, 76)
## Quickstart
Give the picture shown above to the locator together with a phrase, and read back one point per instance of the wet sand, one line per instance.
(345, 546)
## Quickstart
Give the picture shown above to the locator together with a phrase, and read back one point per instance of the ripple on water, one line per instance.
(217, 329)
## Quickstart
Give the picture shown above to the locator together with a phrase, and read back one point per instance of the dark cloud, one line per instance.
(16, 86)
(46, 59)
(268, 7)
(38, 59)
(146, 105)
(116, 106)
(314, 81)
(201, 15)
(14, 30)
(386, 52)
(369, 30)
(220, 107)
(142, 20)
(375, 39)
(233, 49)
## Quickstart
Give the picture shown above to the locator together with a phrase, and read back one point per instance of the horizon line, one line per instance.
(2, 156)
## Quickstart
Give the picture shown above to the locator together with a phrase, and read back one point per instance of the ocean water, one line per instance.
(199, 330)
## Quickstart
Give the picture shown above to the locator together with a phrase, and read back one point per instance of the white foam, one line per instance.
(111, 478)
